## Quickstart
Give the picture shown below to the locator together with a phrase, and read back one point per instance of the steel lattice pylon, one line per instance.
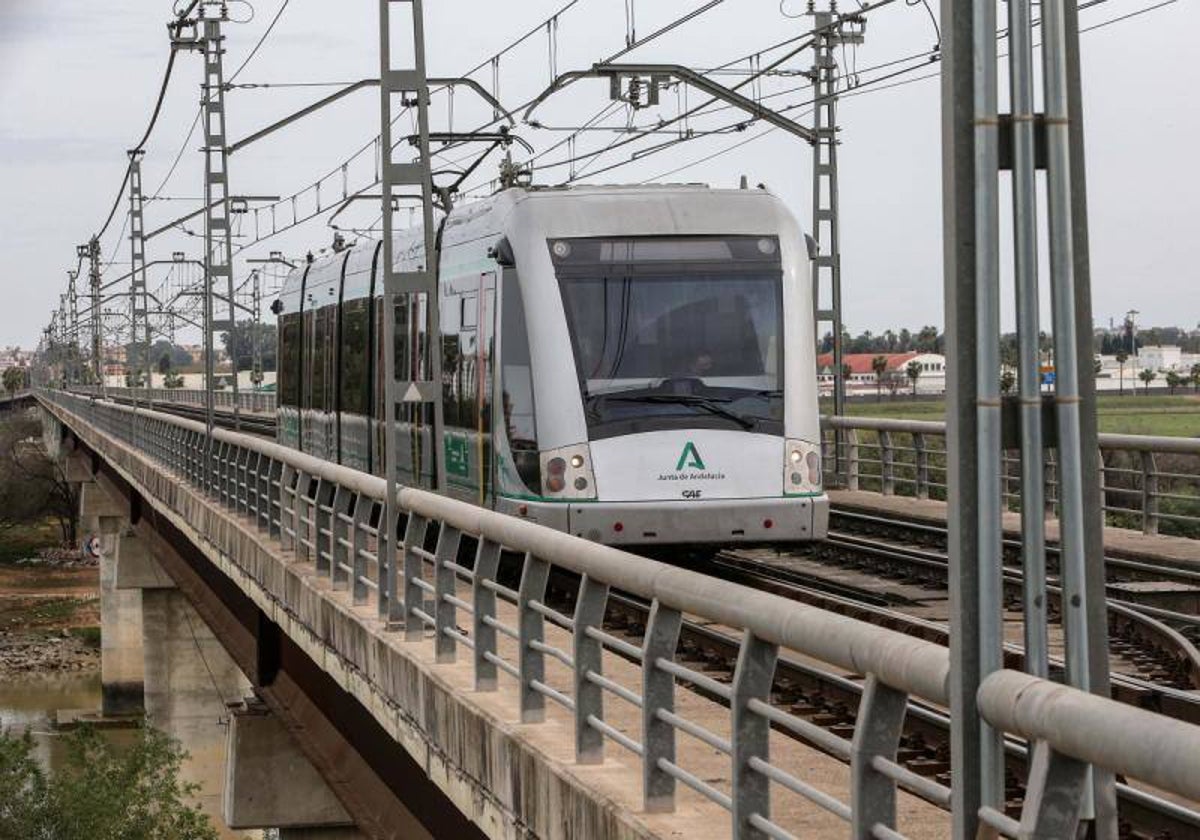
(138, 308)
(410, 297)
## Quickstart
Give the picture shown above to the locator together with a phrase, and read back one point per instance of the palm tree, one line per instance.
(913, 372)
(879, 365)
(1122, 358)
(1174, 380)
(1147, 376)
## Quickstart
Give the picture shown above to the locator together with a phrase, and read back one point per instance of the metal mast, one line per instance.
(72, 328)
(220, 314)
(979, 143)
(410, 299)
(93, 255)
(830, 30)
(138, 308)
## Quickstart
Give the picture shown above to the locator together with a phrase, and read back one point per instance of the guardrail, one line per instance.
(260, 401)
(331, 515)
(1151, 483)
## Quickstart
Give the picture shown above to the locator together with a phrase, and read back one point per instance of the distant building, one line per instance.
(862, 378)
(1166, 357)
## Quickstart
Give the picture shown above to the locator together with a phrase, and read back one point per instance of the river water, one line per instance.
(30, 703)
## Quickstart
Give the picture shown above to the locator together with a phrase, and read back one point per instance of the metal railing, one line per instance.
(1149, 483)
(260, 401)
(330, 515)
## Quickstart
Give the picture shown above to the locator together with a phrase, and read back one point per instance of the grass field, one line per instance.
(1177, 416)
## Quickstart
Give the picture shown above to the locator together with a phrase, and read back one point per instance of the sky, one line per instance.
(77, 83)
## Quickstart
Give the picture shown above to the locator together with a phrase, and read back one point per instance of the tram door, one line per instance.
(467, 312)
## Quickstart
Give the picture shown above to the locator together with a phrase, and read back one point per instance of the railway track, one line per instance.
(251, 423)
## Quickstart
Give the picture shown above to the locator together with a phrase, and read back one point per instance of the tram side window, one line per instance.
(354, 356)
(289, 364)
(516, 382)
(318, 362)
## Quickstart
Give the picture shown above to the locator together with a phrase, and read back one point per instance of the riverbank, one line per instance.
(49, 614)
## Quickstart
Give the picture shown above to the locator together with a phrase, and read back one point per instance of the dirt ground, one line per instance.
(49, 617)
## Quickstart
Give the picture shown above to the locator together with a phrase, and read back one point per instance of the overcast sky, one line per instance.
(77, 82)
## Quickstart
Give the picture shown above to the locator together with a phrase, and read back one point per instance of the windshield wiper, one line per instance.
(709, 404)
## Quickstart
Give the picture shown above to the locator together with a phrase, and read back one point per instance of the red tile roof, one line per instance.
(862, 362)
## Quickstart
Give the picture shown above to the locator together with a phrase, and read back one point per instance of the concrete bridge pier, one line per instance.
(190, 678)
(270, 783)
(121, 657)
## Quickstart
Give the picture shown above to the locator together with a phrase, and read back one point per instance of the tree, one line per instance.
(1174, 380)
(32, 486)
(172, 380)
(1122, 358)
(1147, 376)
(164, 364)
(913, 371)
(879, 365)
(100, 791)
(1196, 377)
(14, 380)
(1008, 380)
(250, 335)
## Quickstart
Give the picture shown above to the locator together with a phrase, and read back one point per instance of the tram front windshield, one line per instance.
(675, 332)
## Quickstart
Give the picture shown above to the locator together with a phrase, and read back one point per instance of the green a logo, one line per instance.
(690, 457)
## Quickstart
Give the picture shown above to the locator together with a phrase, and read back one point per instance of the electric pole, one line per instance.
(830, 30)
(138, 308)
(219, 312)
(415, 392)
(71, 327)
(92, 250)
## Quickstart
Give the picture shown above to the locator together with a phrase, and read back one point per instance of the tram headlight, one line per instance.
(567, 473)
(802, 467)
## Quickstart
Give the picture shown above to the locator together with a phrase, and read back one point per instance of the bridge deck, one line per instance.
(1122, 541)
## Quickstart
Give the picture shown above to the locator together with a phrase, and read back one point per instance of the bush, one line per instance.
(100, 792)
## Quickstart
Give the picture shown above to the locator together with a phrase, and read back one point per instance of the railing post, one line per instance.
(852, 457)
(588, 654)
(414, 538)
(531, 628)
(322, 532)
(658, 692)
(300, 500)
(444, 580)
(887, 464)
(487, 564)
(876, 733)
(274, 475)
(288, 521)
(363, 507)
(339, 537)
(1149, 493)
(921, 452)
(752, 680)
(1051, 483)
(1054, 794)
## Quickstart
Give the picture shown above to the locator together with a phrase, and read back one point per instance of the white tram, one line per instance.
(634, 365)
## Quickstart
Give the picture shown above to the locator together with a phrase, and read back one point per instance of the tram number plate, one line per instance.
(691, 494)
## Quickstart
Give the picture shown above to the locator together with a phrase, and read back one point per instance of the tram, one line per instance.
(633, 365)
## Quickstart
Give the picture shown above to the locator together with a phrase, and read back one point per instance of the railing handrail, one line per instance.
(1145, 745)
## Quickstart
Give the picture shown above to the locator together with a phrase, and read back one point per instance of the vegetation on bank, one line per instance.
(101, 792)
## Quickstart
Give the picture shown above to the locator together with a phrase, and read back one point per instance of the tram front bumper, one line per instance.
(714, 521)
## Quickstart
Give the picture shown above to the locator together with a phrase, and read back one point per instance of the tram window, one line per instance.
(354, 356)
(520, 422)
(320, 350)
(289, 364)
(468, 311)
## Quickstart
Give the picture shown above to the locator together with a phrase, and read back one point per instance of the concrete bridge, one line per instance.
(504, 680)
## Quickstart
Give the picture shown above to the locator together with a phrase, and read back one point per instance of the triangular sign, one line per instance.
(413, 394)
